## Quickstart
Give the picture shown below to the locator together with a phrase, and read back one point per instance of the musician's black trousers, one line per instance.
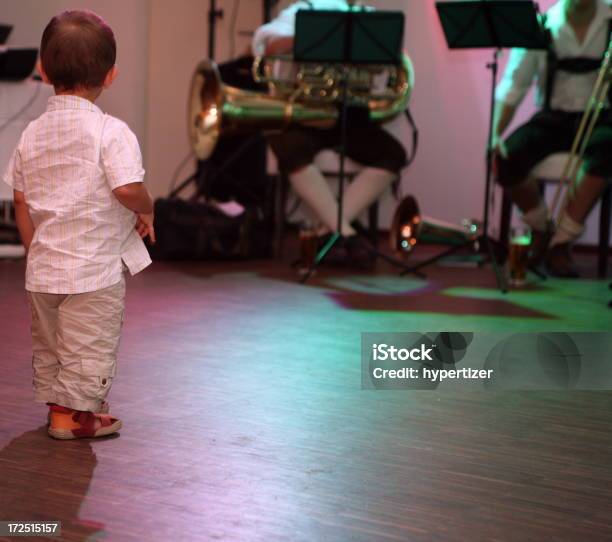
(549, 132)
(366, 143)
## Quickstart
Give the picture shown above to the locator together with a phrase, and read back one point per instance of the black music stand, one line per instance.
(496, 24)
(353, 37)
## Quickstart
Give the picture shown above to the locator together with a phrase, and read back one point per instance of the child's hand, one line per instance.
(144, 226)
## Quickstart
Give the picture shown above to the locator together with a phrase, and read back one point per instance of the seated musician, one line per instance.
(367, 143)
(566, 75)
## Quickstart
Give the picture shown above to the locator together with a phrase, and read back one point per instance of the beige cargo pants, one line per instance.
(75, 339)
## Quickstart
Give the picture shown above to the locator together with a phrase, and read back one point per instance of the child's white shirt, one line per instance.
(67, 163)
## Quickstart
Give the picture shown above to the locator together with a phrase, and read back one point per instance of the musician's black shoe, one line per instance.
(559, 262)
(338, 255)
(322, 240)
(352, 251)
(539, 245)
(361, 253)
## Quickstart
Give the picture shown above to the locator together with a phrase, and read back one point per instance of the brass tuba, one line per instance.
(308, 97)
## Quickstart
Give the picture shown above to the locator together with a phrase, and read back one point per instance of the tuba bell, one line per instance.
(308, 98)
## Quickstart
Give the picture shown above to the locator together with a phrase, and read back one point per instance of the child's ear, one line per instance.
(40, 70)
(110, 76)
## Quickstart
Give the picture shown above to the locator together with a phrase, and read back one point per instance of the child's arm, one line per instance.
(135, 197)
(122, 164)
(23, 219)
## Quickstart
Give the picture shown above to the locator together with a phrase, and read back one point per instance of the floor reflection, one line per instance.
(47, 480)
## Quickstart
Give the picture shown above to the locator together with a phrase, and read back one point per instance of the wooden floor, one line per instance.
(244, 419)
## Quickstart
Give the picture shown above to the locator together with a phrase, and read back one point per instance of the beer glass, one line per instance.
(518, 251)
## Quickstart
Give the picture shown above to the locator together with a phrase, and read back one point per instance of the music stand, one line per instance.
(347, 38)
(5, 32)
(496, 24)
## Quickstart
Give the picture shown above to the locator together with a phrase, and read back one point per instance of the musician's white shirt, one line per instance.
(571, 91)
(284, 25)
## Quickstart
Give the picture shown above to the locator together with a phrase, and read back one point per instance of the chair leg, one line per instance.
(604, 232)
(280, 218)
(505, 219)
(373, 223)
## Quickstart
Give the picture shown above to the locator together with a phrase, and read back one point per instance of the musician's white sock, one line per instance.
(537, 218)
(568, 230)
(365, 189)
(314, 189)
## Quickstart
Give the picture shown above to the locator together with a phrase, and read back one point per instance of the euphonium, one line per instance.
(309, 99)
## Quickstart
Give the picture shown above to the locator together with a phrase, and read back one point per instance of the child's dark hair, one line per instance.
(77, 50)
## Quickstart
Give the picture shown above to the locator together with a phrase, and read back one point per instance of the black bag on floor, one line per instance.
(188, 230)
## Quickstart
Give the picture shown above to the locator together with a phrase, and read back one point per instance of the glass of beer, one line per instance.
(518, 251)
(308, 245)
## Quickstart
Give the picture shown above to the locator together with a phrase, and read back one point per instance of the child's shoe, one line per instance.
(69, 424)
(104, 409)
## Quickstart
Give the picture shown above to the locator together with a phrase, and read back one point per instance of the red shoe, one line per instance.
(67, 424)
(104, 409)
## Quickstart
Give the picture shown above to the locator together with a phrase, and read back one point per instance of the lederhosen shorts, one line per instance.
(366, 142)
(550, 132)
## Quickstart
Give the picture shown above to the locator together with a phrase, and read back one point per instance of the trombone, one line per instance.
(595, 105)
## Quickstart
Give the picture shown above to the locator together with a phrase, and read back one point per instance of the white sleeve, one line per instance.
(281, 27)
(13, 175)
(519, 75)
(120, 154)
